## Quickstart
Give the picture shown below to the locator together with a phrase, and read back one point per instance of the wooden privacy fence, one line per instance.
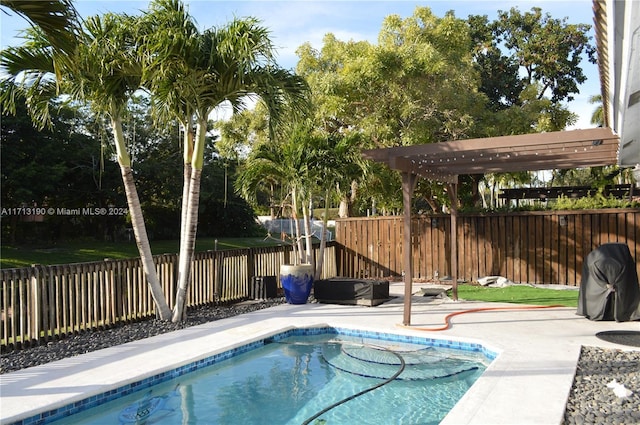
(528, 247)
(41, 303)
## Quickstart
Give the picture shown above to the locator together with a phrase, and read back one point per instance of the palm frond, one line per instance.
(15, 60)
(58, 19)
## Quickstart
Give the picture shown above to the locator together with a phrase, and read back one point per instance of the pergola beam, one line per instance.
(483, 166)
(543, 151)
(455, 147)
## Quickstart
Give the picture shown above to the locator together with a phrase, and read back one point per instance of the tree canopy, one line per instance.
(433, 79)
(427, 79)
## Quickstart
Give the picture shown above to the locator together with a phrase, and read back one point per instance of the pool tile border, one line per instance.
(97, 400)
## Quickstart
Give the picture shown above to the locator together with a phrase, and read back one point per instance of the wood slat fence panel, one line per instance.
(41, 303)
(546, 247)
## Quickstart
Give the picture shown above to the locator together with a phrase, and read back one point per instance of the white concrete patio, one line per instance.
(528, 383)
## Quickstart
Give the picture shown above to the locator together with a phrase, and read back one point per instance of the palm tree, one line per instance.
(304, 164)
(283, 162)
(331, 158)
(110, 71)
(170, 32)
(103, 70)
(221, 64)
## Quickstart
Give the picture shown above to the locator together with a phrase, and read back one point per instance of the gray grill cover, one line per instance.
(609, 287)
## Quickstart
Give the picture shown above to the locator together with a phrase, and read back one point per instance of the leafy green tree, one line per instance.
(223, 213)
(25, 151)
(237, 135)
(333, 159)
(188, 74)
(549, 50)
(529, 63)
(499, 74)
(56, 21)
(159, 180)
(168, 30)
(241, 132)
(62, 166)
(156, 153)
(417, 85)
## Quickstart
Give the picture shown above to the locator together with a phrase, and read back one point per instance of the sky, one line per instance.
(295, 22)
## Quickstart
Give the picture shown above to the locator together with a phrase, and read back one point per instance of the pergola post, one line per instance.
(452, 190)
(408, 185)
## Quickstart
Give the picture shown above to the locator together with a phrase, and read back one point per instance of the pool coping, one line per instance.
(534, 369)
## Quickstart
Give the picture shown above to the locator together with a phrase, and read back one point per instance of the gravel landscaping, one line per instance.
(590, 400)
(91, 341)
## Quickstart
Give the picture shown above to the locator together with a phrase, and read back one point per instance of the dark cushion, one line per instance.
(343, 290)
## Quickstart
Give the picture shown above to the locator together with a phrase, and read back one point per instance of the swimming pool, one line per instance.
(177, 397)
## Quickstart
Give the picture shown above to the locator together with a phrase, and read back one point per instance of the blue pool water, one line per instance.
(293, 377)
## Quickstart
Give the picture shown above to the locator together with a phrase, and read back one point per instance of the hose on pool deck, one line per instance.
(351, 397)
(448, 317)
(402, 362)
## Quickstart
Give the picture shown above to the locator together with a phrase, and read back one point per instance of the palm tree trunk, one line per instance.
(343, 210)
(186, 182)
(137, 222)
(186, 178)
(186, 185)
(190, 226)
(323, 237)
(187, 245)
(308, 257)
(188, 152)
(142, 241)
(298, 236)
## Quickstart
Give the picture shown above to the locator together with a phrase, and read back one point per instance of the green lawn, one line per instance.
(519, 294)
(84, 251)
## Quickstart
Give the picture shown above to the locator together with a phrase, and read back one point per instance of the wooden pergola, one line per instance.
(446, 161)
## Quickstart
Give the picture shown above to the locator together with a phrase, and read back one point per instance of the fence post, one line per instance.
(34, 305)
(218, 262)
(251, 269)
